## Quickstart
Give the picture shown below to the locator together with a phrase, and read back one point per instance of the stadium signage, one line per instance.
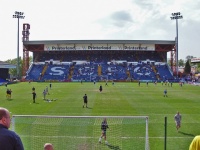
(134, 48)
(56, 48)
(77, 47)
(99, 47)
(193, 60)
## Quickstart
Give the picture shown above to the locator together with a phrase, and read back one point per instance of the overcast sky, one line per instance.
(101, 20)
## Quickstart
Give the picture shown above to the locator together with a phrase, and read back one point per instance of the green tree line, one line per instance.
(13, 71)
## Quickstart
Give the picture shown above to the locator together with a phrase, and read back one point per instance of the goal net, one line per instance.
(82, 132)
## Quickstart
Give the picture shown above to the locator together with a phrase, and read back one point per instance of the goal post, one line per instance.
(82, 132)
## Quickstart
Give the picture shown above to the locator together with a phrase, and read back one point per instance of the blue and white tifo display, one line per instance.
(99, 60)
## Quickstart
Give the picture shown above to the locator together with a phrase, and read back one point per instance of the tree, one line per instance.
(13, 71)
(169, 62)
(181, 62)
(198, 67)
(187, 69)
(30, 59)
(189, 57)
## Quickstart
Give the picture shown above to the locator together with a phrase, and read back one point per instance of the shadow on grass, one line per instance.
(89, 107)
(113, 147)
(188, 134)
(35, 103)
(10, 99)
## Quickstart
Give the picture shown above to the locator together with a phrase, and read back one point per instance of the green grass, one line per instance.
(122, 99)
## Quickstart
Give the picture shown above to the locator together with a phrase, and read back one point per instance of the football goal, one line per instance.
(82, 132)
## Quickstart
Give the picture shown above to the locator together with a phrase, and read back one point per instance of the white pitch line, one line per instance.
(90, 137)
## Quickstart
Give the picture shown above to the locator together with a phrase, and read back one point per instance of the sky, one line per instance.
(100, 20)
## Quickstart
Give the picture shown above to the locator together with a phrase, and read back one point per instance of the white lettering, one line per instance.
(62, 48)
(57, 71)
(99, 47)
(134, 48)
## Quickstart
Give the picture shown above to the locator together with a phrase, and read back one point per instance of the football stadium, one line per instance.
(98, 60)
(139, 98)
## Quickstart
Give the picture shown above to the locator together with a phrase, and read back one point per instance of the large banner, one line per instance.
(193, 60)
(72, 47)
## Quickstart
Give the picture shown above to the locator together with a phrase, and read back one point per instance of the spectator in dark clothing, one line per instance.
(9, 140)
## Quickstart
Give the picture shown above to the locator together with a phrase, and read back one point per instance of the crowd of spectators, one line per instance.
(95, 65)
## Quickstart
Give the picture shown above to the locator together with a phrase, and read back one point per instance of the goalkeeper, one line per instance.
(104, 127)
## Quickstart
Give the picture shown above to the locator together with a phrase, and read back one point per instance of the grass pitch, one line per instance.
(122, 99)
